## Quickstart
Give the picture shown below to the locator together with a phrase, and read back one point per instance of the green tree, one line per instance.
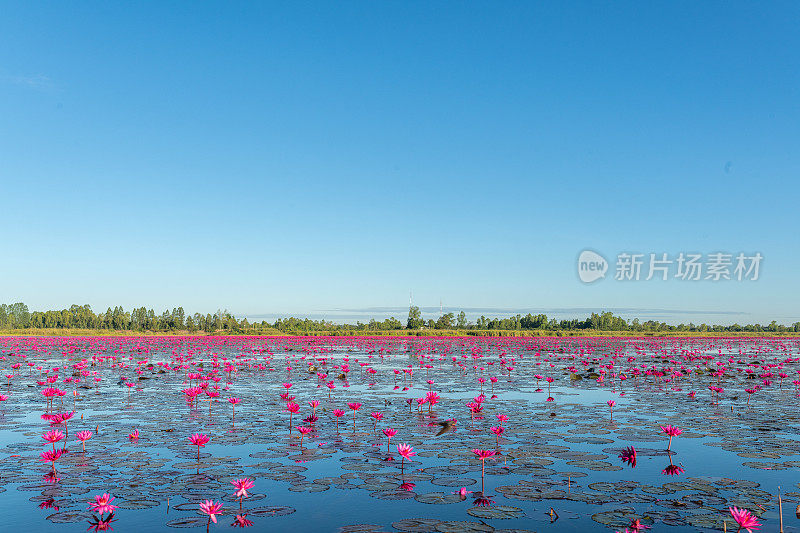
(445, 321)
(414, 318)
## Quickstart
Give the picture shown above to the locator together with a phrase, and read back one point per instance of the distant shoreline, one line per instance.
(58, 332)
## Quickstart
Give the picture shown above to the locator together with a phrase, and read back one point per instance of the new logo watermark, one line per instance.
(591, 266)
(685, 266)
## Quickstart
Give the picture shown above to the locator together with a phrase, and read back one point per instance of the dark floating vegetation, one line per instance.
(368, 434)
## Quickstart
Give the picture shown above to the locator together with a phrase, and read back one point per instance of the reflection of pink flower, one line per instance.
(672, 470)
(49, 504)
(628, 455)
(483, 501)
(98, 523)
(241, 521)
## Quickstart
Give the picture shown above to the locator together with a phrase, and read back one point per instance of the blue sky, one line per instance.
(305, 158)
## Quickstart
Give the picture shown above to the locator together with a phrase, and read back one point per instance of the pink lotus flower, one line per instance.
(497, 432)
(483, 455)
(745, 519)
(53, 436)
(389, 432)
(338, 413)
(51, 456)
(672, 431)
(355, 406)
(212, 509)
(242, 485)
(432, 399)
(199, 440)
(406, 451)
(102, 504)
(303, 432)
(83, 436)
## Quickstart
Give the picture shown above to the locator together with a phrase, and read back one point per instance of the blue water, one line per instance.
(158, 482)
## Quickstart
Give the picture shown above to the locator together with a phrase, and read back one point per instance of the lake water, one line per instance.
(560, 454)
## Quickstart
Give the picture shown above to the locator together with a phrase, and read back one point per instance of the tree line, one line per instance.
(18, 316)
(605, 321)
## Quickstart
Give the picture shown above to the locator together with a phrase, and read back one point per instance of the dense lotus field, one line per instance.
(403, 435)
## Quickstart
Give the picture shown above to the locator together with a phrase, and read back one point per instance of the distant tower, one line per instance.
(441, 307)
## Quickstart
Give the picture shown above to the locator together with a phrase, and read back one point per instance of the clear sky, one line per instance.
(304, 158)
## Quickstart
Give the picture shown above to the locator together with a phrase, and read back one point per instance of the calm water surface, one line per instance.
(560, 454)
